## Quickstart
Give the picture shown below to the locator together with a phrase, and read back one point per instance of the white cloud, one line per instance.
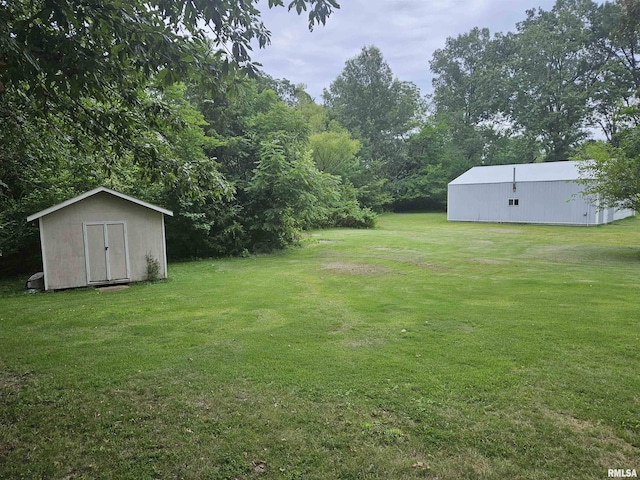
(406, 31)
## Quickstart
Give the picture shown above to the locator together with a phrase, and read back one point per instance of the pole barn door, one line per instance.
(106, 252)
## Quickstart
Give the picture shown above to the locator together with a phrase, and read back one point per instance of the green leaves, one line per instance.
(612, 174)
(553, 69)
(380, 111)
(319, 10)
(70, 49)
(335, 152)
(288, 194)
(561, 73)
(464, 85)
(91, 89)
(367, 100)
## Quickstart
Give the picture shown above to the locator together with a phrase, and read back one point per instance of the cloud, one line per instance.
(406, 31)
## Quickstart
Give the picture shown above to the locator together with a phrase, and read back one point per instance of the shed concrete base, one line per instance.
(112, 288)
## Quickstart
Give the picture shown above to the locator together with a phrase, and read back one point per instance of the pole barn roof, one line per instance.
(525, 172)
(95, 191)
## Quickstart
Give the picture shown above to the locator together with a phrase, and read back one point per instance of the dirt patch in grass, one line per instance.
(589, 254)
(421, 264)
(488, 261)
(356, 268)
(577, 425)
(408, 257)
(363, 342)
(395, 250)
(610, 446)
(11, 382)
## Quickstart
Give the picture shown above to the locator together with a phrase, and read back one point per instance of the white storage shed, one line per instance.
(100, 237)
(543, 193)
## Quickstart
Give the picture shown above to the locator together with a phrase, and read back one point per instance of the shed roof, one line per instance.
(95, 191)
(525, 172)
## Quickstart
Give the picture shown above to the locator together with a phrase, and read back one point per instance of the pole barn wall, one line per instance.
(615, 214)
(538, 202)
(544, 193)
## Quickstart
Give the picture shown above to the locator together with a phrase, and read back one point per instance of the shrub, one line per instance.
(351, 215)
(153, 268)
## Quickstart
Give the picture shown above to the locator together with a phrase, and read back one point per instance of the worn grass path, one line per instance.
(419, 349)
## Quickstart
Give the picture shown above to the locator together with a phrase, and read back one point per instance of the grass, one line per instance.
(420, 349)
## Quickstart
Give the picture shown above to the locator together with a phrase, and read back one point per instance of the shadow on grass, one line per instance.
(586, 254)
(13, 286)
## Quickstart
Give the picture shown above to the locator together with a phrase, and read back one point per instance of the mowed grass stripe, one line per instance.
(419, 349)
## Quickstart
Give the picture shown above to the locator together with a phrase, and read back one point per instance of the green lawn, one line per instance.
(419, 349)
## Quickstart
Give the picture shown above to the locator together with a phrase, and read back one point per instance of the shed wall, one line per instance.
(63, 238)
(551, 202)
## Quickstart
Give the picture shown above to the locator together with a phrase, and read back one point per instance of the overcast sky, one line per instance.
(407, 32)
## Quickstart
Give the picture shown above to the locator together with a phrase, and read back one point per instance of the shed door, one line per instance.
(106, 252)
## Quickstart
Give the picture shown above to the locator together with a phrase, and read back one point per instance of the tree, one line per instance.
(334, 152)
(287, 194)
(265, 152)
(188, 179)
(470, 94)
(367, 100)
(54, 54)
(48, 162)
(81, 48)
(85, 99)
(423, 184)
(464, 80)
(553, 71)
(378, 110)
(621, 38)
(611, 174)
(539, 89)
(617, 86)
(612, 177)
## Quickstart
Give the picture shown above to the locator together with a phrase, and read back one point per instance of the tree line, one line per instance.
(161, 100)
